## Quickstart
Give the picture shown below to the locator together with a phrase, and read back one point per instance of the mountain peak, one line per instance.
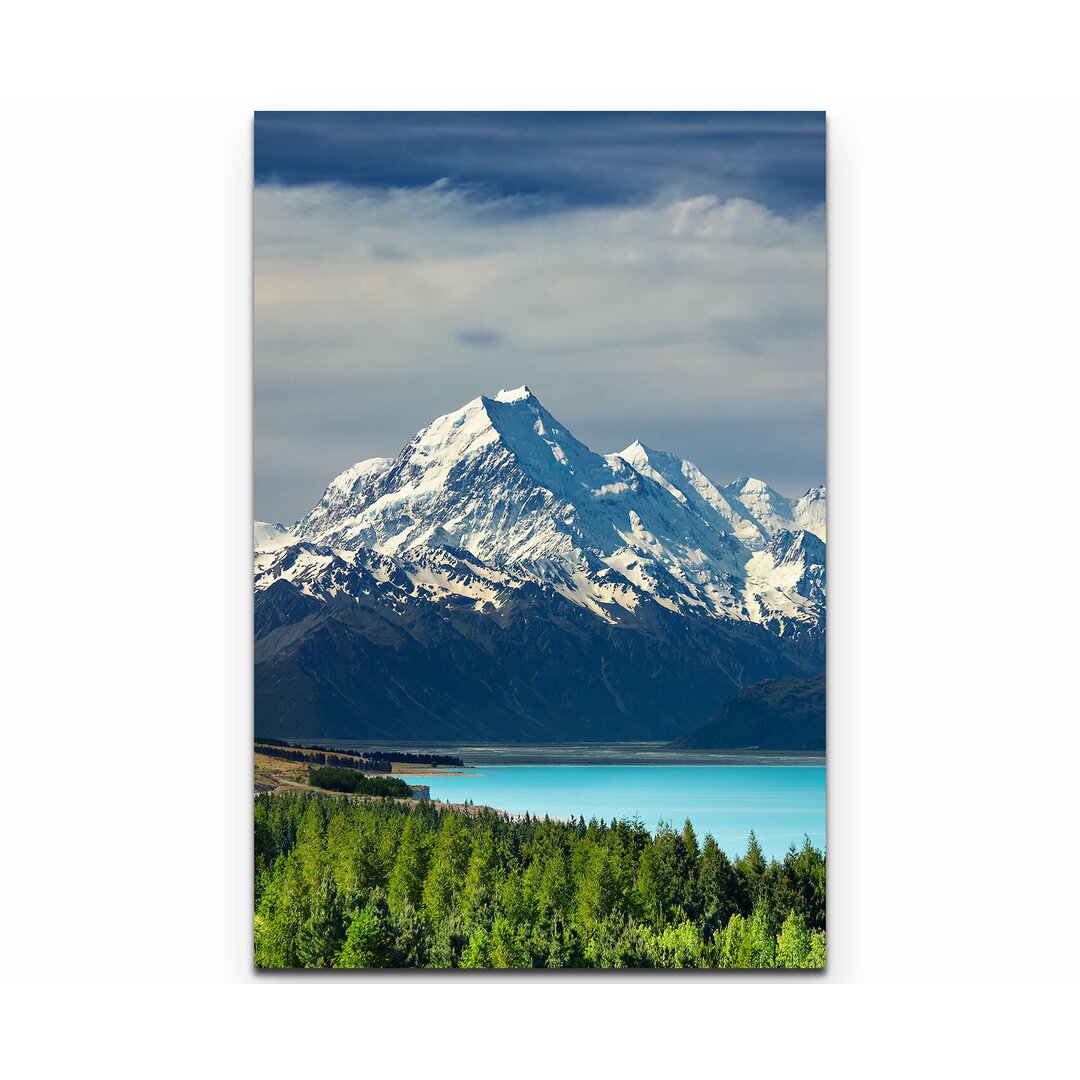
(750, 485)
(636, 451)
(510, 397)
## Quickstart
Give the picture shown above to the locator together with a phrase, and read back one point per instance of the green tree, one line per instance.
(406, 886)
(758, 946)
(689, 842)
(481, 877)
(731, 945)
(806, 872)
(556, 893)
(718, 887)
(654, 888)
(343, 855)
(475, 953)
(506, 949)
(322, 925)
(445, 880)
(599, 890)
(678, 946)
(369, 942)
(278, 915)
(311, 844)
(517, 898)
(793, 943)
(750, 869)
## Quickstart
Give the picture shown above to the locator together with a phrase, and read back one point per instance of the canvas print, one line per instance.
(539, 564)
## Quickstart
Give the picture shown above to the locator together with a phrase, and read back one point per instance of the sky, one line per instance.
(652, 276)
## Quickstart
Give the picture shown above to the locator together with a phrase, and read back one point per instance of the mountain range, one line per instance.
(498, 580)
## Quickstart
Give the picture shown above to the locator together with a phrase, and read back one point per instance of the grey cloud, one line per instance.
(697, 325)
(480, 338)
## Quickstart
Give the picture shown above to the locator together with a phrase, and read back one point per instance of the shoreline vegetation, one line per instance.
(276, 774)
(276, 777)
(349, 881)
(367, 761)
(478, 755)
(331, 778)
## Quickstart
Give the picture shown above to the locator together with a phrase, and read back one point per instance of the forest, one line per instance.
(434, 760)
(341, 759)
(347, 883)
(332, 778)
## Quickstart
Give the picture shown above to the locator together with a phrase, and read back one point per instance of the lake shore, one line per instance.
(478, 755)
(781, 796)
(405, 768)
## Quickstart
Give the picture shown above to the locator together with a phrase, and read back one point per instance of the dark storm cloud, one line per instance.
(564, 159)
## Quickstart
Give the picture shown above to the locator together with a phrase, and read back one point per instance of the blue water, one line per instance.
(782, 804)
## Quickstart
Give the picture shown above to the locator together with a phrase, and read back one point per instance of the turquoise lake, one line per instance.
(782, 804)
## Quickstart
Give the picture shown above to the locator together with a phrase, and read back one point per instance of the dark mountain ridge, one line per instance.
(775, 714)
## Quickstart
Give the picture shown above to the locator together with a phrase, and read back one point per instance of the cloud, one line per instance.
(678, 320)
(568, 158)
(479, 338)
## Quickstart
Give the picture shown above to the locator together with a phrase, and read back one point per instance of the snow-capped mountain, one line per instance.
(810, 512)
(496, 513)
(270, 536)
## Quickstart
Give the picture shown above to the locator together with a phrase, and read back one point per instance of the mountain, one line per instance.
(810, 512)
(498, 579)
(270, 536)
(694, 489)
(779, 714)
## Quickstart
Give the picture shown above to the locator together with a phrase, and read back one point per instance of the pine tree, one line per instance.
(480, 878)
(369, 942)
(406, 887)
(750, 869)
(793, 943)
(816, 956)
(731, 949)
(599, 890)
(445, 880)
(758, 946)
(718, 887)
(311, 843)
(475, 954)
(689, 840)
(556, 891)
(653, 887)
(506, 949)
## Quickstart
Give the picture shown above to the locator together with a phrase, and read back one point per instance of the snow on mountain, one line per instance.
(687, 483)
(498, 495)
(324, 573)
(786, 579)
(270, 536)
(810, 512)
(767, 507)
(344, 487)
